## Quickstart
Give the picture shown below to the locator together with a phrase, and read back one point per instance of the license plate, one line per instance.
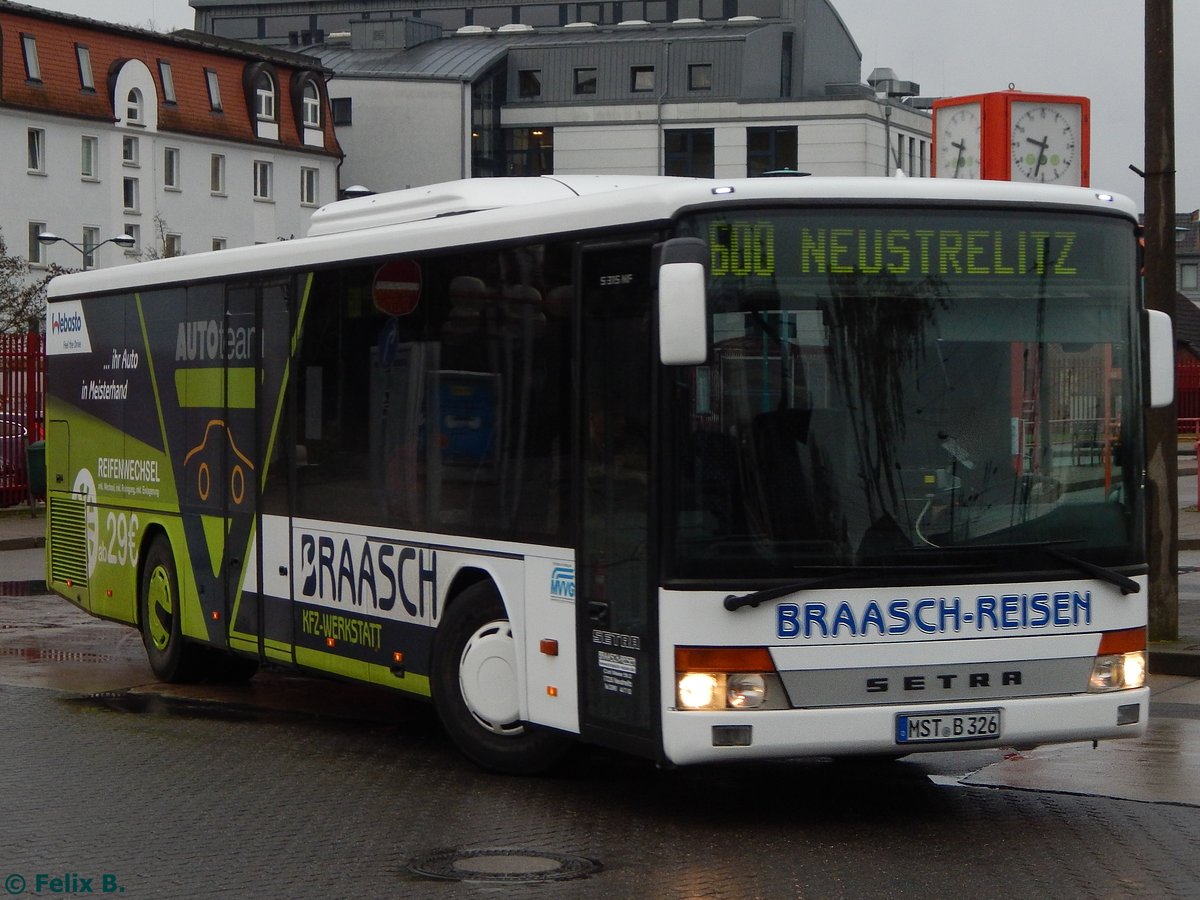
(972, 725)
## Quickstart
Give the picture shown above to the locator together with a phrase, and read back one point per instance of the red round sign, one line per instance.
(396, 290)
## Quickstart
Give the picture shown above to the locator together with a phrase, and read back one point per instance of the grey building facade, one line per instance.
(430, 91)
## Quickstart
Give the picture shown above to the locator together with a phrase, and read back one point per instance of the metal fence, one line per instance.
(22, 401)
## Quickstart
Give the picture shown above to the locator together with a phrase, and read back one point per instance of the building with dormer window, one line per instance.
(185, 142)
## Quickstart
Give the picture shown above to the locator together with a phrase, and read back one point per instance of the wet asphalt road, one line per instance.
(289, 787)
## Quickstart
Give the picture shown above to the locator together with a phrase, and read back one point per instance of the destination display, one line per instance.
(1053, 253)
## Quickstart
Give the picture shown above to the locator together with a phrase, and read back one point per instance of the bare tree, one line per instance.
(22, 291)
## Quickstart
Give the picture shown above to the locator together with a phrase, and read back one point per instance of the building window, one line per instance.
(214, 90)
(129, 150)
(1189, 277)
(264, 98)
(770, 149)
(262, 180)
(342, 111)
(83, 56)
(129, 195)
(585, 81)
(308, 186)
(700, 77)
(171, 180)
(689, 152)
(311, 103)
(530, 151)
(596, 13)
(168, 81)
(529, 84)
(172, 245)
(33, 69)
(216, 176)
(89, 148)
(91, 237)
(133, 107)
(35, 161)
(219, 243)
(37, 250)
(135, 232)
(641, 78)
(540, 15)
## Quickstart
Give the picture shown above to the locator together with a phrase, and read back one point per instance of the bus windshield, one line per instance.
(945, 389)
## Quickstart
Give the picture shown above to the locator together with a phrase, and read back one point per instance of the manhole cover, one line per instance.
(503, 865)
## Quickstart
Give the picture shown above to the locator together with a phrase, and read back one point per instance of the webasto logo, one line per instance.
(63, 323)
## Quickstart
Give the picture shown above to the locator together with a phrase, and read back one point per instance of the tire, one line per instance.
(172, 659)
(474, 688)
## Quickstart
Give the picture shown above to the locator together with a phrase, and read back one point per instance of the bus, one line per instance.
(698, 470)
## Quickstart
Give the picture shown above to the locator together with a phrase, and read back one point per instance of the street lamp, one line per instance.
(121, 240)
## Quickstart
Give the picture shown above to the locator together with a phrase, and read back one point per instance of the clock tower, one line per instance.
(1013, 136)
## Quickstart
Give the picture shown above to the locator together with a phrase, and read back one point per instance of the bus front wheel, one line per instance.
(170, 657)
(475, 690)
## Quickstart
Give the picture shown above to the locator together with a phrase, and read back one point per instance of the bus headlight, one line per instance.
(1120, 661)
(701, 690)
(745, 690)
(727, 678)
(1118, 672)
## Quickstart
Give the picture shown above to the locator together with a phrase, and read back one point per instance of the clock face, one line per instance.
(958, 129)
(1046, 142)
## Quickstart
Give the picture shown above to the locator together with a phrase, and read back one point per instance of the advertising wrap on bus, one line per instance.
(885, 494)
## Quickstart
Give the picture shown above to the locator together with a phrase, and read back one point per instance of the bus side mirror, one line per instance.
(683, 334)
(1162, 359)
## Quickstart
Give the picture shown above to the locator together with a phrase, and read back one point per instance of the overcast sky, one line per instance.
(954, 47)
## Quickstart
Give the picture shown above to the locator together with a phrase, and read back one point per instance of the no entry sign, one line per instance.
(396, 290)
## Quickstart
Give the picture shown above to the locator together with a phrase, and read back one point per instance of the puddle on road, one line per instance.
(139, 703)
(1159, 768)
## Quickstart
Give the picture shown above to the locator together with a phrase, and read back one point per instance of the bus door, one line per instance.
(617, 626)
(257, 592)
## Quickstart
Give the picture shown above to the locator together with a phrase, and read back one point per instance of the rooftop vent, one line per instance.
(581, 25)
(467, 30)
(514, 27)
(633, 23)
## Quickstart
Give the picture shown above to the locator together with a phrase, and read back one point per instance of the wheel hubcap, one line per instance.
(160, 608)
(487, 677)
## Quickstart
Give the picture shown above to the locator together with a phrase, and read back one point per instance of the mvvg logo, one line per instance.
(562, 583)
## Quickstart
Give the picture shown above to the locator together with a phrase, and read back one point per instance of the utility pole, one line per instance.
(1161, 424)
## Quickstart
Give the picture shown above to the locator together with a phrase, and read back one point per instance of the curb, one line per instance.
(22, 543)
(1175, 658)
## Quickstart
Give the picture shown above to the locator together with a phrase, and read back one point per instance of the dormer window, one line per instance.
(133, 107)
(311, 103)
(264, 98)
(261, 87)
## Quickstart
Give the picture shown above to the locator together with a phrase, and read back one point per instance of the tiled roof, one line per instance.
(59, 90)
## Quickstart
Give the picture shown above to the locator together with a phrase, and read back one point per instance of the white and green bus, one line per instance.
(698, 470)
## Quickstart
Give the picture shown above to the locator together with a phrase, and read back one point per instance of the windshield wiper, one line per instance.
(734, 602)
(1124, 582)
(1113, 577)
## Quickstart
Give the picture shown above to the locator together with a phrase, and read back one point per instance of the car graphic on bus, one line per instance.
(208, 457)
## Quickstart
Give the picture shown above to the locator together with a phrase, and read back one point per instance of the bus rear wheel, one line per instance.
(171, 658)
(475, 691)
